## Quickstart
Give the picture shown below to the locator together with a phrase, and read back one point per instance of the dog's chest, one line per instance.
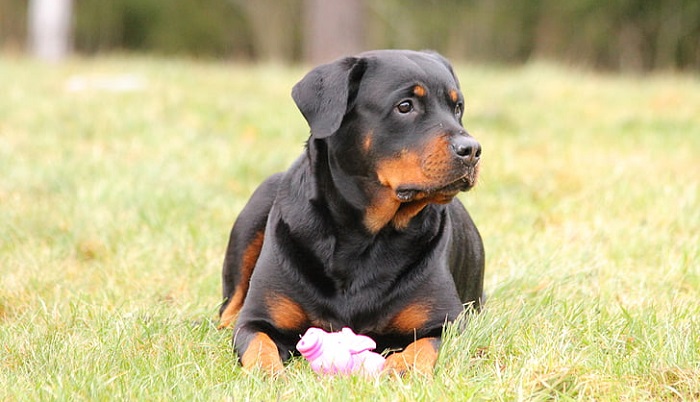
(368, 282)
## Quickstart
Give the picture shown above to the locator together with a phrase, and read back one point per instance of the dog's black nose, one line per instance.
(467, 148)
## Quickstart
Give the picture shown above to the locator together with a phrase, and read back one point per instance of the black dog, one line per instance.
(364, 229)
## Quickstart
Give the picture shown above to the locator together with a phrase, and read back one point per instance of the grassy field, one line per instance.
(116, 202)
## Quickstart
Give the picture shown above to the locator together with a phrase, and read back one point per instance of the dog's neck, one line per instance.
(339, 194)
(357, 199)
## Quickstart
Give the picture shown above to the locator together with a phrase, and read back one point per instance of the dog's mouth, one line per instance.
(440, 193)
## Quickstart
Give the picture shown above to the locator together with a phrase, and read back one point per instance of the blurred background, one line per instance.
(616, 35)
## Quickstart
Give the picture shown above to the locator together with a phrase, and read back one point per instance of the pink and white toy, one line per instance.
(341, 352)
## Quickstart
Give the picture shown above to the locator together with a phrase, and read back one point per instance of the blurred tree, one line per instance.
(332, 28)
(274, 28)
(13, 25)
(213, 28)
(627, 35)
(200, 28)
(50, 28)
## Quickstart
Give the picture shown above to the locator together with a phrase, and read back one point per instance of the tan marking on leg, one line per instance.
(419, 356)
(262, 353)
(228, 316)
(248, 261)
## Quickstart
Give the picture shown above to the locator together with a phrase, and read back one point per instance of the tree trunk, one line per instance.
(49, 23)
(332, 28)
(273, 27)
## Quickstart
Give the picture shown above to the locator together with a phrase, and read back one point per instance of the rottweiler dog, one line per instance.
(364, 229)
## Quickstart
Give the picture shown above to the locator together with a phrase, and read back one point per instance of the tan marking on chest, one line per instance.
(285, 313)
(411, 318)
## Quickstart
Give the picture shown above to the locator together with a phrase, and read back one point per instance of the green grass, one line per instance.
(115, 209)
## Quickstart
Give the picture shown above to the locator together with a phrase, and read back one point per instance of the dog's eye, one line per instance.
(405, 107)
(458, 109)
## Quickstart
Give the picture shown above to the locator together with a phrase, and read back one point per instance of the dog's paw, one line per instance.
(262, 354)
(419, 357)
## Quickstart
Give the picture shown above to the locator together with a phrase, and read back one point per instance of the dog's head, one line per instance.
(394, 119)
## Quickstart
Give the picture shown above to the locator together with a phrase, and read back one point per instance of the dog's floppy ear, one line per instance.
(326, 93)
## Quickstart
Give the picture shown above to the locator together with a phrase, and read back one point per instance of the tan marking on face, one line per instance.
(262, 353)
(406, 212)
(419, 91)
(285, 313)
(432, 167)
(402, 169)
(454, 95)
(382, 209)
(388, 210)
(419, 356)
(248, 261)
(429, 168)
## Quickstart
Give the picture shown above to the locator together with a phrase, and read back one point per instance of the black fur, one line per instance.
(324, 250)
